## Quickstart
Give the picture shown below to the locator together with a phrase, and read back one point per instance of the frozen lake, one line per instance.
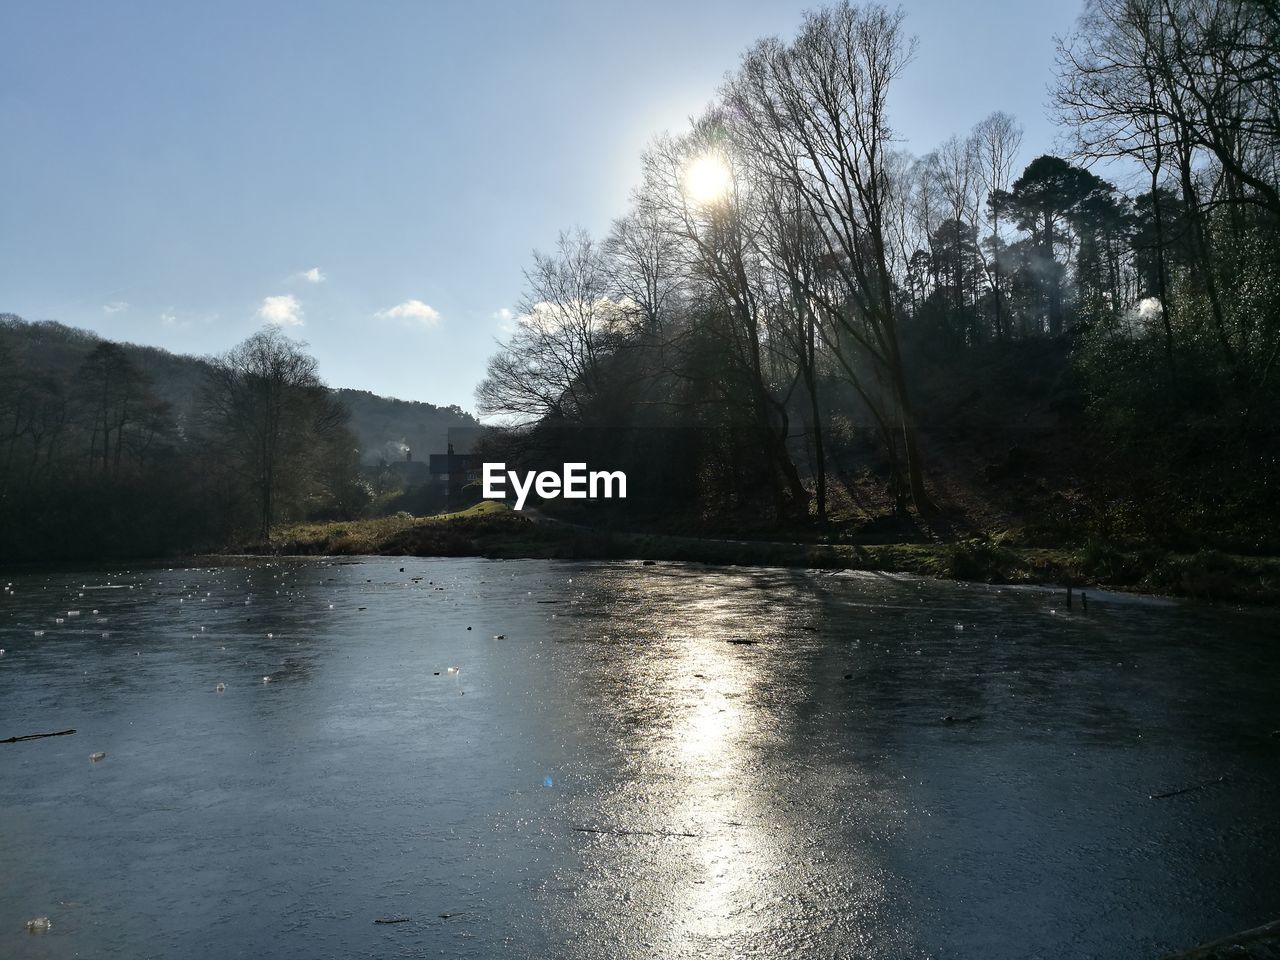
(630, 761)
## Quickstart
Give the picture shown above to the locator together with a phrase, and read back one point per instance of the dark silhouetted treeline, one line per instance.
(842, 334)
(112, 450)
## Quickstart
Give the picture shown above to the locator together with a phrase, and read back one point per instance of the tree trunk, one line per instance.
(995, 273)
(910, 443)
(1055, 284)
(1203, 254)
(1162, 280)
(820, 465)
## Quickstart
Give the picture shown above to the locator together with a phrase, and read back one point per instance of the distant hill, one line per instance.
(384, 427)
(390, 428)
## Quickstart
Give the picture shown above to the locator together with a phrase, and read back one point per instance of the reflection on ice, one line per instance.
(673, 761)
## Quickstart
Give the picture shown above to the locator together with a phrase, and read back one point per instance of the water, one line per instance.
(616, 777)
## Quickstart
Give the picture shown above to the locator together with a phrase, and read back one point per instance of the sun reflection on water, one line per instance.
(717, 856)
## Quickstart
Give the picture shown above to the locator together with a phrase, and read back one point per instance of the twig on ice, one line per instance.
(37, 736)
(1191, 789)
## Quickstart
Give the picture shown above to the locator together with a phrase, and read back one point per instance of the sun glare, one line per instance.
(707, 179)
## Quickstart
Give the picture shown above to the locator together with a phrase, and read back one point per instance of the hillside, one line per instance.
(383, 426)
(388, 428)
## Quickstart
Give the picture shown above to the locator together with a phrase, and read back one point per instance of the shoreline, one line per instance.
(492, 530)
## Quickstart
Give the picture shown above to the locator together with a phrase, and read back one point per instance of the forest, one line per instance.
(111, 450)
(798, 330)
(798, 326)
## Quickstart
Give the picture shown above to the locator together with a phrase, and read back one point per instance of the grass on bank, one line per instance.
(396, 534)
(492, 529)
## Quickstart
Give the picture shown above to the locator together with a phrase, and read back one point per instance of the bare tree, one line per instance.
(955, 167)
(270, 414)
(567, 326)
(719, 236)
(1183, 85)
(1112, 93)
(996, 140)
(815, 112)
(642, 262)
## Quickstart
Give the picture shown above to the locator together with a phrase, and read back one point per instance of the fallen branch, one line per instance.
(1191, 789)
(973, 718)
(38, 736)
(635, 833)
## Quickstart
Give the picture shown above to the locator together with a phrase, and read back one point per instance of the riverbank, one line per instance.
(490, 529)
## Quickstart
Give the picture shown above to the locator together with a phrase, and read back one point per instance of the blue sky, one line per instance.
(172, 171)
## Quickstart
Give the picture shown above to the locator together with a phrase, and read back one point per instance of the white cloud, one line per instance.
(314, 275)
(283, 311)
(506, 320)
(172, 320)
(411, 311)
(600, 314)
(115, 306)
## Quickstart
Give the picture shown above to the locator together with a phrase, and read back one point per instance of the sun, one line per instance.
(707, 179)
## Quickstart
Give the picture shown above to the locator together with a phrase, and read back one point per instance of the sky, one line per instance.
(374, 177)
